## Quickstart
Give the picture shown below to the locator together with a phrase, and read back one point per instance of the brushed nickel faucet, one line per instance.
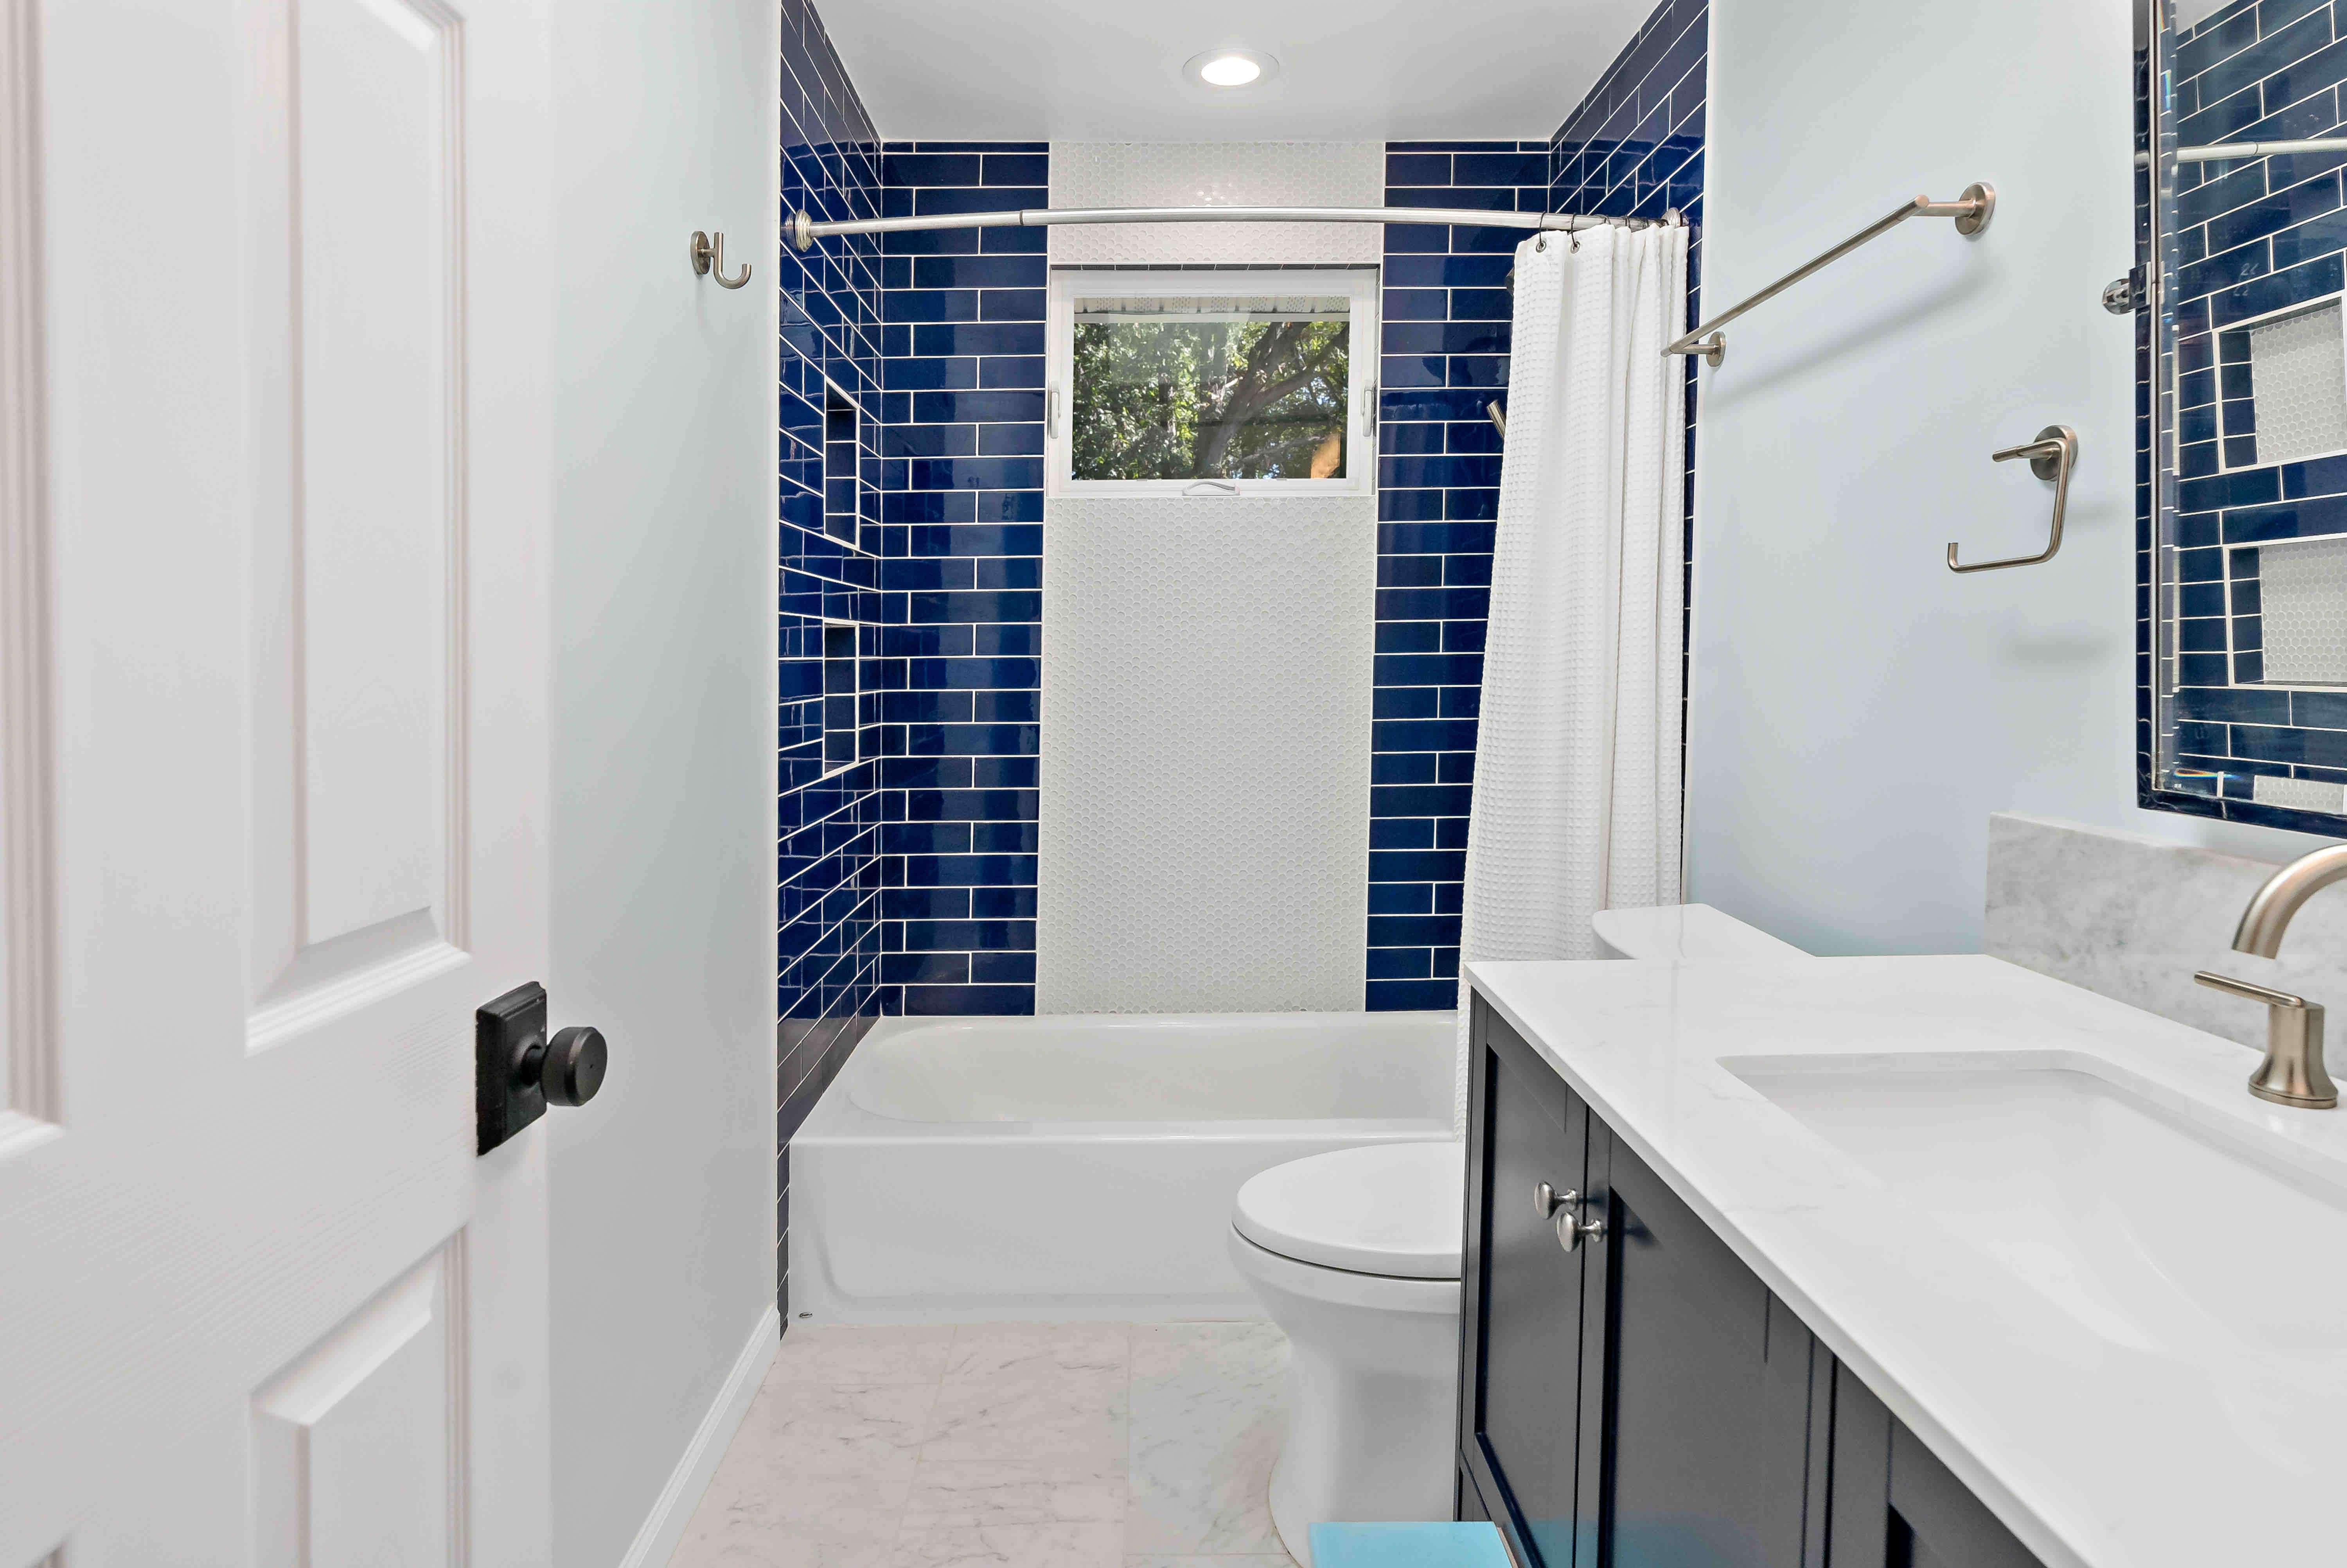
(2292, 1072)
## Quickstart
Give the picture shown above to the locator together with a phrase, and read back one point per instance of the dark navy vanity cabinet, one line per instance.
(1632, 1394)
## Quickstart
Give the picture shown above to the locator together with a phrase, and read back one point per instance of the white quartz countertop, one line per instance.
(2127, 1377)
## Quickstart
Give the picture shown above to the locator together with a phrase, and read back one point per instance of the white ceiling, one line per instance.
(1350, 69)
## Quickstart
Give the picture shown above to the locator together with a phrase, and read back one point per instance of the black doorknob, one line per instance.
(518, 1071)
(564, 1071)
(575, 1063)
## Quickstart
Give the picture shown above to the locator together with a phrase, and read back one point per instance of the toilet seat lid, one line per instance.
(1387, 1208)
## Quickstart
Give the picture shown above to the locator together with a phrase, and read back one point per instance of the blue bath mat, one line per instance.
(1475, 1545)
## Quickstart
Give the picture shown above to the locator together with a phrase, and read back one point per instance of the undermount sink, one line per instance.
(2138, 1221)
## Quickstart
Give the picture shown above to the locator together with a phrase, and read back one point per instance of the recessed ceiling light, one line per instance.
(1231, 68)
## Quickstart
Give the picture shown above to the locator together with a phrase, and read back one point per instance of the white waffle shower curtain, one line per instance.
(1577, 800)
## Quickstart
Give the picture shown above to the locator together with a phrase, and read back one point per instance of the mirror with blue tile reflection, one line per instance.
(2243, 708)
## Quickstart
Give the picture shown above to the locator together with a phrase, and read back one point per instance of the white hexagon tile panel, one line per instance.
(1206, 754)
(2299, 794)
(2298, 371)
(1218, 174)
(2303, 606)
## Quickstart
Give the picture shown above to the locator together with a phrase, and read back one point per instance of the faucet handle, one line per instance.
(2249, 991)
(2292, 1073)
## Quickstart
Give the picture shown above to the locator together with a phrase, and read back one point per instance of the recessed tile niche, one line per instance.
(2304, 589)
(2297, 406)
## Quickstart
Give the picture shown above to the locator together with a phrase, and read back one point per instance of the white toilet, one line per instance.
(1355, 1254)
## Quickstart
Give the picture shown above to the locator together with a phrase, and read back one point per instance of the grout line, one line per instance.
(929, 1417)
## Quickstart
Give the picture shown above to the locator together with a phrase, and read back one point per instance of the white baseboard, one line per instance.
(664, 1526)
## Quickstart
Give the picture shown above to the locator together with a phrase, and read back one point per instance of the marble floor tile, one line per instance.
(841, 1354)
(873, 1431)
(749, 1519)
(1066, 1445)
(1206, 1422)
(996, 1350)
(967, 1495)
(1060, 1424)
(1012, 1546)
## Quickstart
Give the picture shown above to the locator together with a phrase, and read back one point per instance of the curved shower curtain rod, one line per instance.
(804, 231)
(2227, 151)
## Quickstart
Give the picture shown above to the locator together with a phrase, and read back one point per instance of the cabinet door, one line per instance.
(1522, 1296)
(1471, 1498)
(1895, 1505)
(1700, 1394)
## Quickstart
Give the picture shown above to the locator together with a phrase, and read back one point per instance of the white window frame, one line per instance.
(1359, 284)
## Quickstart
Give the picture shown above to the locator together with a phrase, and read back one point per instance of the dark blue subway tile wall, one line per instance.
(2252, 236)
(1633, 149)
(909, 879)
(1443, 361)
(831, 169)
(829, 820)
(961, 575)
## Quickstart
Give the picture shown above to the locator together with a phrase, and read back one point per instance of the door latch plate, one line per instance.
(505, 1033)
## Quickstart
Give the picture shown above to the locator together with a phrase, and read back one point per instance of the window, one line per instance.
(1173, 383)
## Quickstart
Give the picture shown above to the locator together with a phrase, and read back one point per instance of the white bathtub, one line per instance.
(1080, 1166)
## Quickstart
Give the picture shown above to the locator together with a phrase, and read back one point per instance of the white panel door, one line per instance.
(275, 467)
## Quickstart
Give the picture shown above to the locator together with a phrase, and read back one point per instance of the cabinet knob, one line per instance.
(1572, 1230)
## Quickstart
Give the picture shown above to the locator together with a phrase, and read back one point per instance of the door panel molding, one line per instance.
(362, 718)
(341, 1439)
(330, 979)
(29, 1097)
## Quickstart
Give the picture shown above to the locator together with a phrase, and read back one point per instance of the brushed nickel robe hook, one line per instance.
(709, 260)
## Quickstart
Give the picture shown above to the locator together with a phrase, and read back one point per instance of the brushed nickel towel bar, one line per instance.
(804, 231)
(1972, 211)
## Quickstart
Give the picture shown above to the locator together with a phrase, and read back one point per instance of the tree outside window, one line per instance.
(1211, 388)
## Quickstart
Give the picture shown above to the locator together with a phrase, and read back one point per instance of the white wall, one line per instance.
(663, 862)
(1857, 710)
